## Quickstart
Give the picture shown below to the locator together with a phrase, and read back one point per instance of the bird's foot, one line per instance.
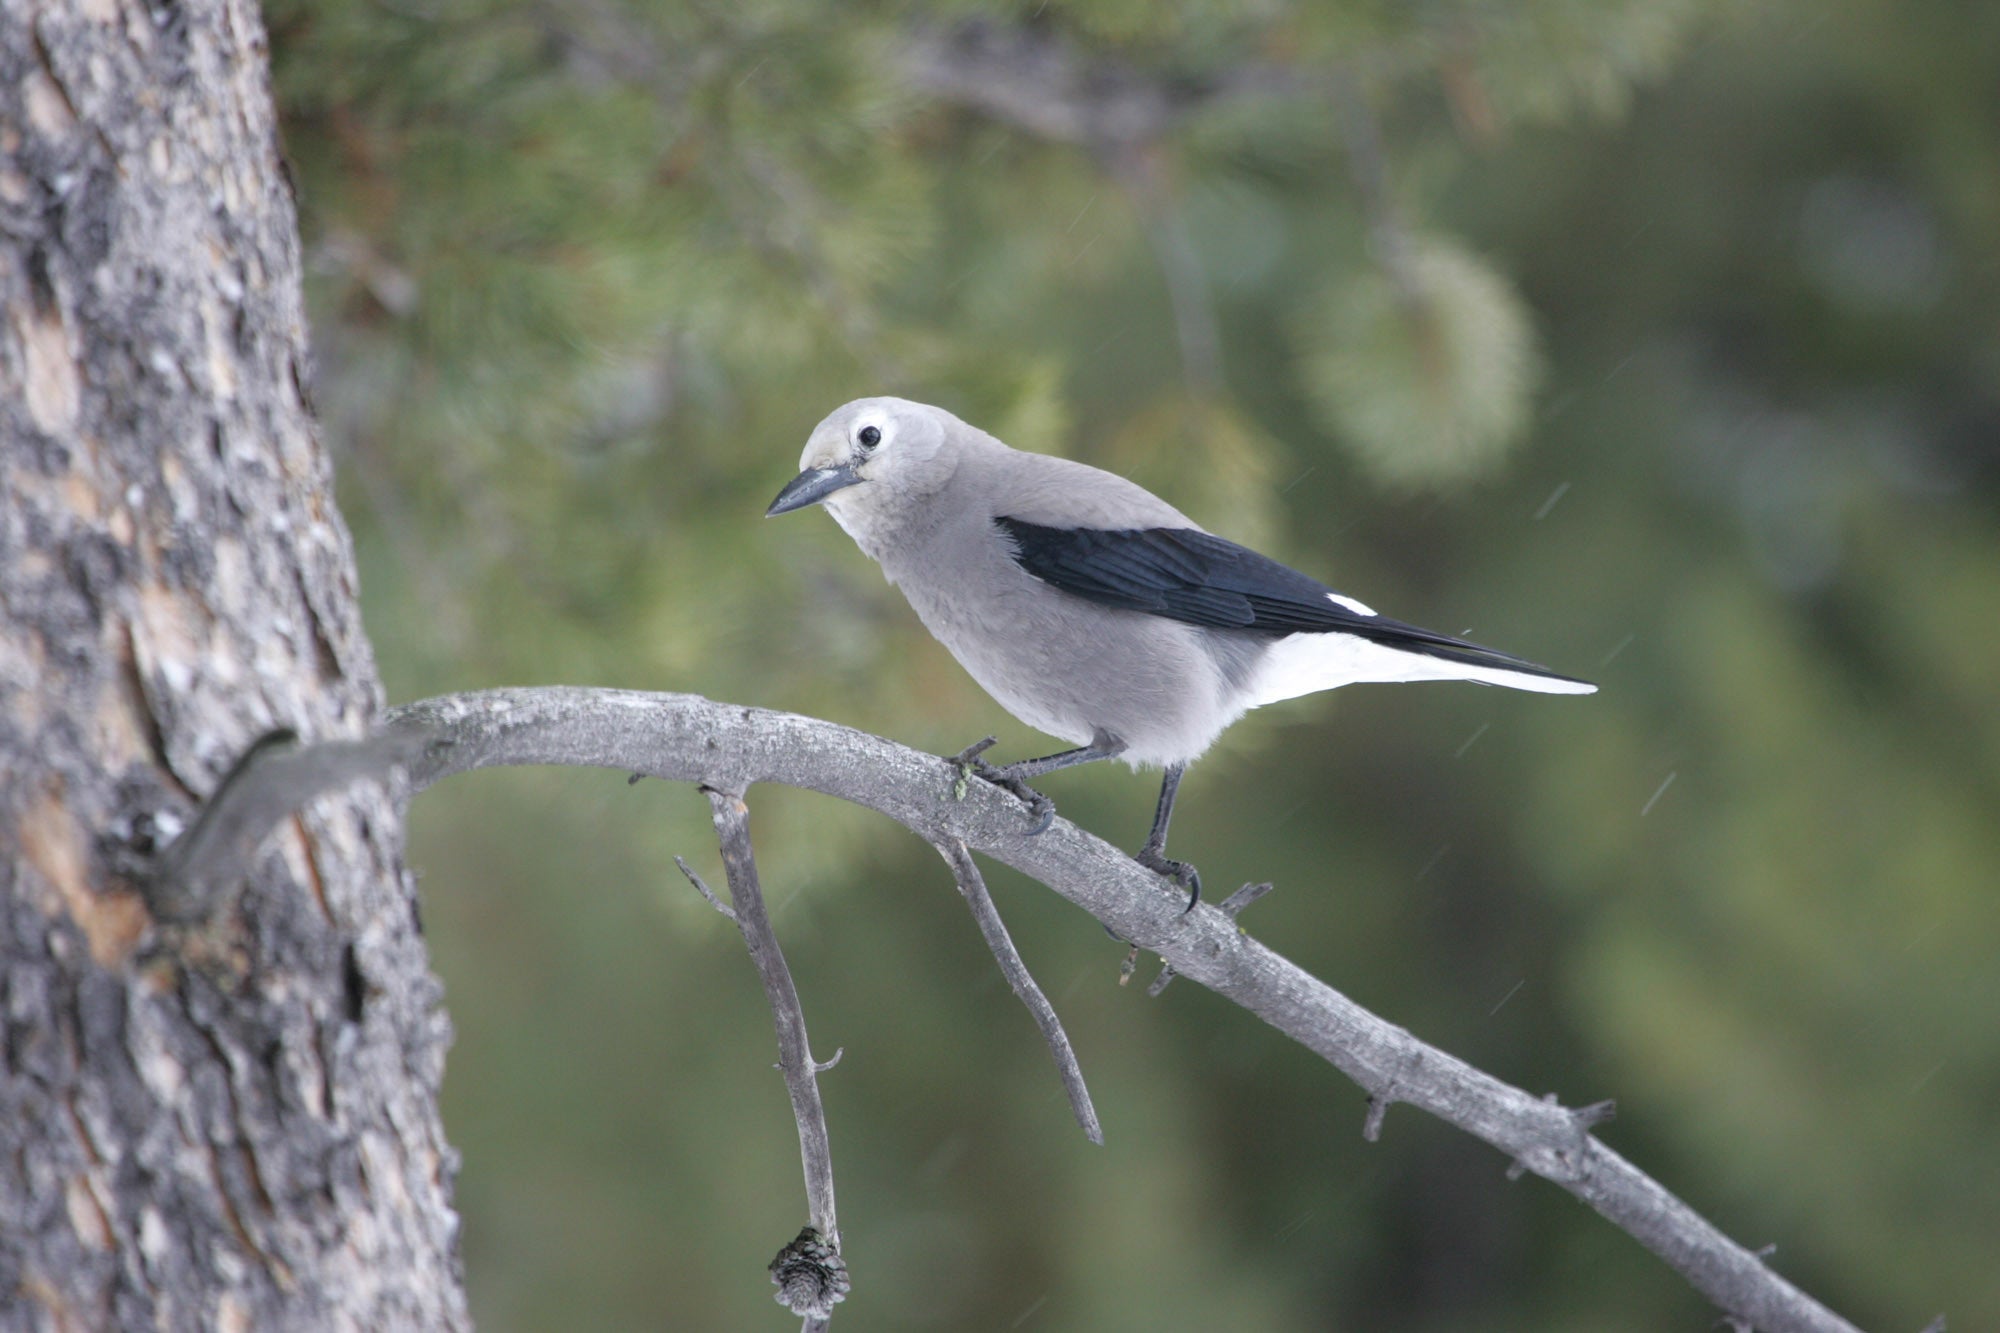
(968, 762)
(1180, 872)
(1041, 810)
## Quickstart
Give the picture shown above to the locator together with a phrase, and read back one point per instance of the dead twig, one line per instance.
(1229, 907)
(702, 888)
(972, 886)
(809, 1272)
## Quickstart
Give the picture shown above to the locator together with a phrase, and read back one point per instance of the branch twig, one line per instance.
(973, 887)
(1231, 907)
(701, 887)
(686, 738)
(809, 1272)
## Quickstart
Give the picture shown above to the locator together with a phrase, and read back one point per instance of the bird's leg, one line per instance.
(1101, 747)
(1153, 855)
(1014, 777)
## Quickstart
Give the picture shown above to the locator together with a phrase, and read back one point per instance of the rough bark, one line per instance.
(230, 1124)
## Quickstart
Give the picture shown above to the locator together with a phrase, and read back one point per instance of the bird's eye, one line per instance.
(869, 437)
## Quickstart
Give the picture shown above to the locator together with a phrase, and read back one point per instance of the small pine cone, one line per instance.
(810, 1275)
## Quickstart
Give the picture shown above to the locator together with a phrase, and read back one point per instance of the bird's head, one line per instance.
(872, 456)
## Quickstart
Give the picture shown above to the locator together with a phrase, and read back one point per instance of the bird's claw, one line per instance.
(1044, 811)
(1041, 810)
(1180, 872)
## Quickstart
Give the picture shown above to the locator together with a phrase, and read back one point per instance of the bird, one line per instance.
(1095, 611)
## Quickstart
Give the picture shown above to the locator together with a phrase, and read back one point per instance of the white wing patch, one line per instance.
(1357, 607)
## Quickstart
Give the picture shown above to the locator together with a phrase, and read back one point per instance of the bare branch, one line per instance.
(973, 887)
(687, 738)
(809, 1272)
(199, 871)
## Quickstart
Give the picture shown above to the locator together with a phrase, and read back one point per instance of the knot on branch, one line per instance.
(810, 1275)
(1381, 1098)
(1378, 1107)
(1564, 1156)
(1230, 907)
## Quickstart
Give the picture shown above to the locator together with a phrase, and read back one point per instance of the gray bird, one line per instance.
(1095, 611)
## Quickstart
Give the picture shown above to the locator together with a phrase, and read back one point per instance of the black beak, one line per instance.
(810, 487)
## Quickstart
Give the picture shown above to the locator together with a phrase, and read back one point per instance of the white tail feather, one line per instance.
(1308, 663)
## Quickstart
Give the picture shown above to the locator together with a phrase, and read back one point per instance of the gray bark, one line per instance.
(232, 1123)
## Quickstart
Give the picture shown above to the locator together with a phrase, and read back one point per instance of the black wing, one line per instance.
(1189, 575)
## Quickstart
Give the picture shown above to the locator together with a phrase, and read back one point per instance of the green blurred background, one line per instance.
(1658, 341)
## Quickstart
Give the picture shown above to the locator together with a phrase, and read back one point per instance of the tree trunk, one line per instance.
(229, 1124)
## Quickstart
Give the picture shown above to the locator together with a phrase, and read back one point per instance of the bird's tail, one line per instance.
(1389, 650)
